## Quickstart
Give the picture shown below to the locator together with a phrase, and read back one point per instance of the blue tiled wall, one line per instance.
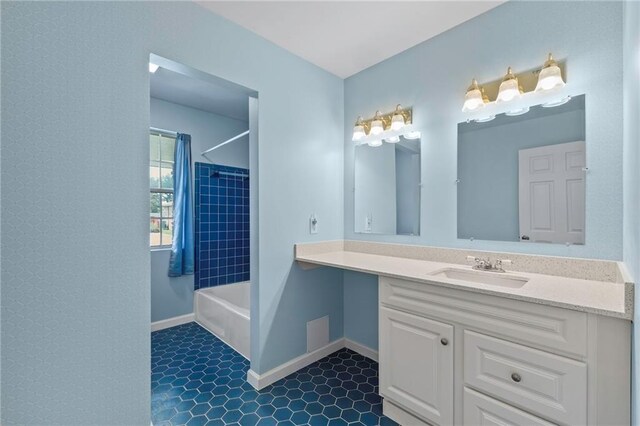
(222, 225)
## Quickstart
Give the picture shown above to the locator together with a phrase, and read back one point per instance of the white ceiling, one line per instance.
(345, 37)
(196, 93)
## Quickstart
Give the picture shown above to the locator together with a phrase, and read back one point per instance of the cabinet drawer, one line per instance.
(550, 328)
(481, 410)
(542, 383)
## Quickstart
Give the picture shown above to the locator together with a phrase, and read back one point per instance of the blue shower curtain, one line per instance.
(182, 247)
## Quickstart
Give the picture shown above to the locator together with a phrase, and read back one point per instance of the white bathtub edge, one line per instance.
(261, 381)
(172, 322)
(361, 349)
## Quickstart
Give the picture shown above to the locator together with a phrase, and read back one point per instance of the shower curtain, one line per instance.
(182, 247)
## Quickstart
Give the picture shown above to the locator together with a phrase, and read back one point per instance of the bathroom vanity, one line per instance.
(466, 347)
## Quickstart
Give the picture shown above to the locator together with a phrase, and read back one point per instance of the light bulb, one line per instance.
(377, 126)
(550, 76)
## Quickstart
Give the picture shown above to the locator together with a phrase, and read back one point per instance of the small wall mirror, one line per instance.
(522, 178)
(387, 188)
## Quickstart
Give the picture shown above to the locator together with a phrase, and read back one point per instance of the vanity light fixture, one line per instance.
(375, 142)
(358, 130)
(474, 98)
(550, 76)
(382, 127)
(485, 119)
(397, 120)
(153, 67)
(559, 102)
(509, 88)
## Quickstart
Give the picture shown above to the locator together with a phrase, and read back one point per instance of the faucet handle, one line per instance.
(502, 262)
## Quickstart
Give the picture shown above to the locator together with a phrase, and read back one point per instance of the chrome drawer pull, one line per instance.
(516, 377)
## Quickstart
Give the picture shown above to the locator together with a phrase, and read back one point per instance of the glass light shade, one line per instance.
(473, 99)
(556, 103)
(374, 143)
(153, 67)
(412, 135)
(509, 88)
(550, 78)
(376, 127)
(517, 112)
(358, 132)
(397, 122)
(485, 119)
(508, 91)
(393, 139)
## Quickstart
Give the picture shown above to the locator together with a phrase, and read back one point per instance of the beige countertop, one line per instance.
(608, 298)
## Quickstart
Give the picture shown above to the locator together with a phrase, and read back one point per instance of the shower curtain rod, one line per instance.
(166, 132)
(225, 142)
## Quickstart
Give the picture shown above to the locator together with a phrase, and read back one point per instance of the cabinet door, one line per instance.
(416, 364)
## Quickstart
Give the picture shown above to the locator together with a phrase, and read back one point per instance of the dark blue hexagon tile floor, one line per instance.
(198, 380)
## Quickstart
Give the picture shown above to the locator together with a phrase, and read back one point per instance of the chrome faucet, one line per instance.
(486, 265)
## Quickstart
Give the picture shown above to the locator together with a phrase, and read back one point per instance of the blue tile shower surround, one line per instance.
(198, 380)
(222, 225)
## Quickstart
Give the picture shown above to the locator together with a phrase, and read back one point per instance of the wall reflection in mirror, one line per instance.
(522, 178)
(387, 187)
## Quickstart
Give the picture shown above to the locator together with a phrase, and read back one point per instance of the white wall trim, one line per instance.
(261, 381)
(172, 322)
(361, 349)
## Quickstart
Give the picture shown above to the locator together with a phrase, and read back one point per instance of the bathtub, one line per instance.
(224, 311)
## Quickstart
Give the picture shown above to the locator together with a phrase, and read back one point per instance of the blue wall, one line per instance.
(631, 100)
(488, 164)
(221, 225)
(361, 310)
(173, 296)
(75, 118)
(432, 78)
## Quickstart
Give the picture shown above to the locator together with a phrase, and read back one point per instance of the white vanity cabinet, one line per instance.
(449, 356)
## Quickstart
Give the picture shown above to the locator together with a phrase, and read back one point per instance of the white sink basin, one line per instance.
(498, 279)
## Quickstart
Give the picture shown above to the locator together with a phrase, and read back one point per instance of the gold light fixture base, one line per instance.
(527, 80)
(407, 113)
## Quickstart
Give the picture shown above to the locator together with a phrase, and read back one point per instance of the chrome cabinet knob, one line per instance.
(444, 341)
(516, 377)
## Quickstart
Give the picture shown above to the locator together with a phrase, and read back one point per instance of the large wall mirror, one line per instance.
(522, 178)
(387, 188)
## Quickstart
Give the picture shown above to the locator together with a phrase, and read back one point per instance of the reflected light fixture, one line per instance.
(358, 130)
(556, 103)
(509, 88)
(392, 139)
(412, 135)
(485, 119)
(473, 99)
(374, 143)
(550, 76)
(397, 121)
(377, 126)
(519, 111)
(153, 67)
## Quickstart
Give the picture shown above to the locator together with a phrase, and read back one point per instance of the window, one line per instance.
(161, 185)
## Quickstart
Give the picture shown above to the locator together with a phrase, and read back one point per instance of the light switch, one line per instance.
(313, 224)
(368, 222)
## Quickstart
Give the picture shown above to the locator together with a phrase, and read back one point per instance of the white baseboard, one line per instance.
(361, 349)
(172, 322)
(260, 381)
